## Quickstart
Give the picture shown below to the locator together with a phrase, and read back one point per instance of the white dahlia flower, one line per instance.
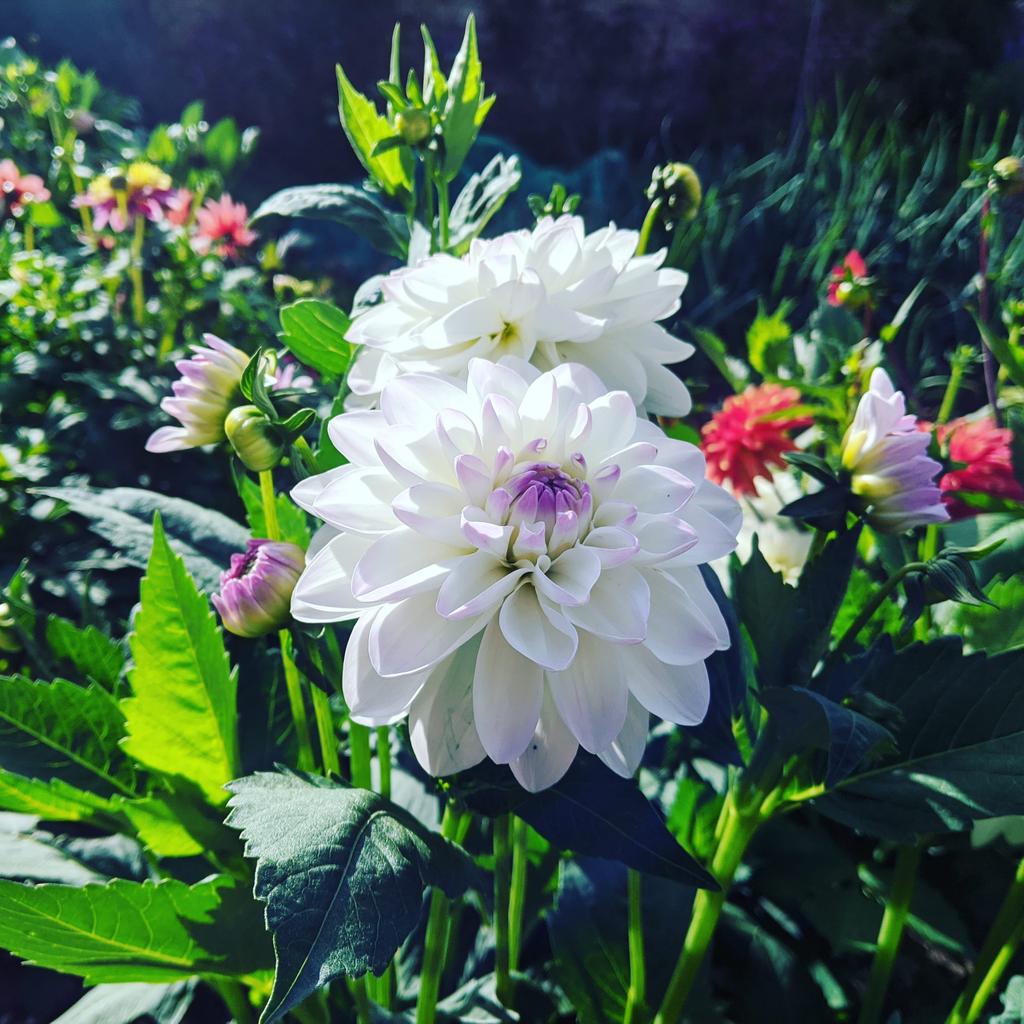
(549, 296)
(885, 454)
(521, 555)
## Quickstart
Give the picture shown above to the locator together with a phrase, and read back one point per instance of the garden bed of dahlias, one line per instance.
(525, 617)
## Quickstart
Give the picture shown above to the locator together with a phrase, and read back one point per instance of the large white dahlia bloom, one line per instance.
(521, 555)
(551, 295)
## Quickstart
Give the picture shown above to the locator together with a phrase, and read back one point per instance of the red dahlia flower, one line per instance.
(849, 284)
(980, 453)
(747, 437)
(17, 189)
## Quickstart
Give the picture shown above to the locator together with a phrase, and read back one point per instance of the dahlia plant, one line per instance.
(507, 663)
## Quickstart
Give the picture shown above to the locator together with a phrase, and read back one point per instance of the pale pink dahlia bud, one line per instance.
(256, 591)
(203, 397)
(521, 553)
(886, 456)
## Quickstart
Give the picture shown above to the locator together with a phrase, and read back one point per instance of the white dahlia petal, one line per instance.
(356, 499)
(678, 631)
(624, 754)
(508, 691)
(476, 584)
(550, 753)
(618, 607)
(441, 725)
(677, 693)
(324, 591)
(538, 631)
(591, 693)
(372, 699)
(401, 564)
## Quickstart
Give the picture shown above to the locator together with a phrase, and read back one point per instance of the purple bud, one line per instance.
(256, 591)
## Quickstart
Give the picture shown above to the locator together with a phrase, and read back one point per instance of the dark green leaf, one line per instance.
(127, 1003)
(94, 654)
(813, 465)
(342, 872)
(123, 516)
(357, 209)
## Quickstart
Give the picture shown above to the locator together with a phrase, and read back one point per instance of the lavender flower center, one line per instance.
(543, 493)
(242, 562)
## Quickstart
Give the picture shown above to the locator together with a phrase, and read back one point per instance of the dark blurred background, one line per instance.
(648, 79)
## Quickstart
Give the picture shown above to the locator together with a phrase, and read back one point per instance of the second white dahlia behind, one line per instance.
(551, 295)
(521, 555)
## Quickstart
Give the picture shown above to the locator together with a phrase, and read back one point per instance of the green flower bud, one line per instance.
(678, 187)
(1008, 175)
(254, 438)
(413, 125)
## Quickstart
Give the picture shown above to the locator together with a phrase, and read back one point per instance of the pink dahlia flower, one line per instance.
(17, 189)
(980, 452)
(119, 196)
(221, 227)
(255, 593)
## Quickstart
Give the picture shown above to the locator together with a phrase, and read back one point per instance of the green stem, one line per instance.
(28, 236)
(636, 996)
(517, 894)
(325, 731)
(384, 760)
(737, 832)
(269, 499)
(364, 1012)
(428, 195)
(956, 375)
(236, 999)
(135, 272)
(647, 227)
(359, 755)
(436, 942)
(307, 454)
(442, 211)
(297, 703)
(502, 901)
(875, 602)
(994, 975)
(890, 934)
(1003, 934)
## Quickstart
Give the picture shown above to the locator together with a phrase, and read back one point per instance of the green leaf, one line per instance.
(789, 627)
(768, 339)
(26, 856)
(465, 106)
(181, 718)
(63, 731)
(734, 372)
(90, 651)
(365, 127)
(123, 516)
(996, 627)
(291, 519)
(130, 1002)
(222, 145)
(960, 733)
(123, 931)
(482, 197)
(353, 207)
(342, 872)
(315, 331)
(177, 822)
(54, 800)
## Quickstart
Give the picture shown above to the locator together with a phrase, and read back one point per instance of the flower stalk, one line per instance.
(135, 272)
(517, 894)
(636, 995)
(1002, 941)
(502, 907)
(890, 933)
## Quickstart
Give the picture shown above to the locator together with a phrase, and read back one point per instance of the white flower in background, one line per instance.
(885, 453)
(550, 296)
(202, 397)
(784, 545)
(521, 555)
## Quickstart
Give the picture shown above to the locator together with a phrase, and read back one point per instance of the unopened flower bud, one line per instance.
(256, 591)
(254, 438)
(678, 187)
(1008, 175)
(413, 125)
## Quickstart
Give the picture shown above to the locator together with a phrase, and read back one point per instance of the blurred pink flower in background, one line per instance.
(17, 189)
(120, 195)
(221, 227)
(983, 464)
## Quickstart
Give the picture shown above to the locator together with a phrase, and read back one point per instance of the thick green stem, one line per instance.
(359, 755)
(738, 830)
(364, 1012)
(647, 227)
(384, 760)
(890, 934)
(636, 995)
(325, 732)
(1003, 935)
(236, 999)
(502, 907)
(517, 894)
(442, 211)
(269, 500)
(435, 948)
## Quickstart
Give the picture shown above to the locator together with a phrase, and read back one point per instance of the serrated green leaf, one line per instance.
(960, 738)
(342, 872)
(365, 127)
(996, 627)
(181, 718)
(63, 731)
(54, 800)
(465, 105)
(357, 209)
(315, 331)
(93, 653)
(123, 931)
(481, 198)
